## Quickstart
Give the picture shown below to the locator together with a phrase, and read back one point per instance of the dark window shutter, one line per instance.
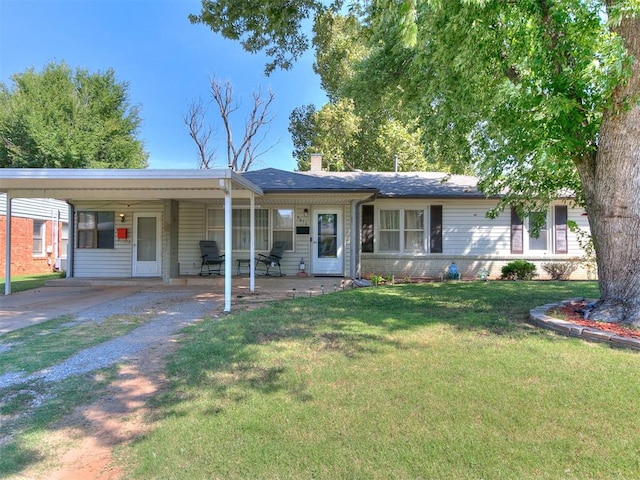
(435, 236)
(561, 229)
(367, 228)
(517, 232)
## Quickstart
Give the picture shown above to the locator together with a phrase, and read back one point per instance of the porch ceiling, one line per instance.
(85, 184)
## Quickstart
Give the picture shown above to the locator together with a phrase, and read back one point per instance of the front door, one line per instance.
(146, 245)
(328, 248)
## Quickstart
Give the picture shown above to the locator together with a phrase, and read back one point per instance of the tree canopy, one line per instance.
(537, 97)
(352, 131)
(59, 118)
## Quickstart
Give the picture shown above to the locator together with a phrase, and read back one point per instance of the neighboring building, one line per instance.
(39, 235)
(137, 223)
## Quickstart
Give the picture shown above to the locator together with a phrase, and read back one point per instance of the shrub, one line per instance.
(559, 270)
(519, 270)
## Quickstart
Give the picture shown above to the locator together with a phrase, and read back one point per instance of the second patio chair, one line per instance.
(272, 260)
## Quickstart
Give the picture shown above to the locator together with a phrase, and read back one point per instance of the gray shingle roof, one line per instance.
(385, 184)
(272, 180)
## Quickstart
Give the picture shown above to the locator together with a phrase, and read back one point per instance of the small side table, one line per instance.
(242, 262)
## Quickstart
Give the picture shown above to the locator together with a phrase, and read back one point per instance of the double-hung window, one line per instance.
(539, 241)
(96, 230)
(405, 230)
(38, 238)
(64, 240)
(389, 230)
(414, 230)
(270, 226)
(283, 226)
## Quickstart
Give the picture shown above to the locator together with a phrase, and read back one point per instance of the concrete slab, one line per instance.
(22, 309)
(72, 296)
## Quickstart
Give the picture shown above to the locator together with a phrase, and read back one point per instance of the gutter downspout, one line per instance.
(355, 234)
(71, 240)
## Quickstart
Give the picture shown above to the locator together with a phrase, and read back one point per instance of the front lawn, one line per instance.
(29, 282)
(413, 381)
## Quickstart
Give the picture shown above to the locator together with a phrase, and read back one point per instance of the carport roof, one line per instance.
(120, 183)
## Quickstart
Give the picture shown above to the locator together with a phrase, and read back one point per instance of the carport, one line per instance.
(72, 185)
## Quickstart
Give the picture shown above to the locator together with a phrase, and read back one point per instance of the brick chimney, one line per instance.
(316, 162)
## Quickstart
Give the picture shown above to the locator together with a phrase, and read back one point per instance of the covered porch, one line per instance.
(163, 188)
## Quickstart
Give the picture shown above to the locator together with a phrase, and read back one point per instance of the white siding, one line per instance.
(472, 240)
(38, 208)
(466, 230)
(192, 226)
(116, 262)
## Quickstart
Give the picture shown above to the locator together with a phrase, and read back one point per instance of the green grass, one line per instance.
(38, 346)
(29, 282)
(412, 381)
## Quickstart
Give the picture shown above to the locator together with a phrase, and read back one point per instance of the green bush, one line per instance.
(519, 270)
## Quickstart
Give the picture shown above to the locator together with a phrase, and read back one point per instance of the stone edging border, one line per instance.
(538, 317)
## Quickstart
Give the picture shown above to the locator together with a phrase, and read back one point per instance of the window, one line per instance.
(389, 230)
(64, 240)
(96, 230)
(410, 230)
(539, 240)
(215, 226)
(282, 229)
(546, 239)
(414, 230)
(283, 226)
(241, 229)
(38, 238)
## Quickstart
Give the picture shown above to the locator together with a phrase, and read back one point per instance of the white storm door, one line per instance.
(327, 246)
(147, 252)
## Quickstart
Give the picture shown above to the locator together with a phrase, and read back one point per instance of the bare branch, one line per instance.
(223, 96)
(258, 119)
(240, 156)
(194, 120)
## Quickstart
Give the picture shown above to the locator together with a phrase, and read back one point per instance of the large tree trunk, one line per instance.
(611, 182)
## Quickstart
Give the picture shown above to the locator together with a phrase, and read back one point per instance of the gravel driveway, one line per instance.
(171, 310)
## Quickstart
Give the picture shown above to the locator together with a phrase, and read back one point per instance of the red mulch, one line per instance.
(569, 311)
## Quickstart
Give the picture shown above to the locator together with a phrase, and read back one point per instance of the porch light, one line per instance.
(121, 215)
(306, 212)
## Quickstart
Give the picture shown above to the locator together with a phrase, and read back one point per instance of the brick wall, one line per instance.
(23, 261)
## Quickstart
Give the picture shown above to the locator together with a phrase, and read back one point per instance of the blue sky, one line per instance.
(166, 61)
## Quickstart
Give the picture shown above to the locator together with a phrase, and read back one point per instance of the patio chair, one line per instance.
(273, 259)
(210, 258)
